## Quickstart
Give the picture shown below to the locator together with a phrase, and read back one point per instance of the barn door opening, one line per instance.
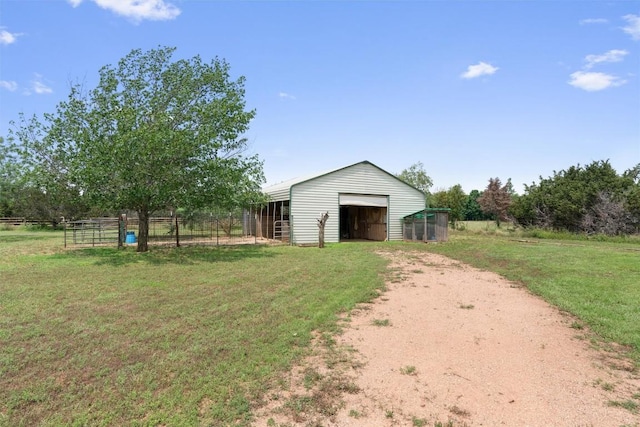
(363, 217)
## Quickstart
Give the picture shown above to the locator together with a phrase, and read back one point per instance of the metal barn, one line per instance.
(427, 225)
(364, 202)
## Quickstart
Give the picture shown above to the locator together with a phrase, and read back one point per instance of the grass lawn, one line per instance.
(197, 335)
(189, 336)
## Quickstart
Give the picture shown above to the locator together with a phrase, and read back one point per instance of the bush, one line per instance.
(539, 233)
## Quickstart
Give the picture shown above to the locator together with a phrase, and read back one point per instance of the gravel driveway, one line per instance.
(447, 344)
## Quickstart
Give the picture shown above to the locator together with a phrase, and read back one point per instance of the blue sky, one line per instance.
(472, 89)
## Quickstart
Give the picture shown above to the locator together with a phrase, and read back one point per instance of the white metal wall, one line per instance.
(312, 198)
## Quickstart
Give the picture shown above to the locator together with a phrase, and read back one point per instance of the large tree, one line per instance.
(416, 176)
(454, 199)
(472, 210)
(9, 176)
(496, 199)
(48, 191)
(457, 200)
(155, 134)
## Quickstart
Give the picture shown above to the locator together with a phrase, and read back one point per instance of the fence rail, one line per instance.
(18, 221)
(205, 229)
(92, 232)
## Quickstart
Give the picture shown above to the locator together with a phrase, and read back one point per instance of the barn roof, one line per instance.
(281, 189)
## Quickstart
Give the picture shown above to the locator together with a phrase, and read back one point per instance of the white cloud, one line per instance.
(480, 69)
(9, 85)
(285, 95)
(593, 21)
(592, 82)
(7, 38)
(41, 89)
(615, 55)
(38, 86)
(137, 10)
(633, 26)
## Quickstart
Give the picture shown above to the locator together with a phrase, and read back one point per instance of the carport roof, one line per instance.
(285, 185)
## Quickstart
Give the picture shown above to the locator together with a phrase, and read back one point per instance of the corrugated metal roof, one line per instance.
(281, 190)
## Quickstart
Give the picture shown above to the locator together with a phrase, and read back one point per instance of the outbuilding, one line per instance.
(427, 225)
(364, 202)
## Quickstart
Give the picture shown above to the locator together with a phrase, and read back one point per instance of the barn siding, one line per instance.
(311, 198)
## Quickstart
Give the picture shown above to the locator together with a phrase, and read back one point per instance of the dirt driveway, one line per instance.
(450, 345)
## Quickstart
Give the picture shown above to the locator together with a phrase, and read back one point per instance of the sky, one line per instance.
(472, 89)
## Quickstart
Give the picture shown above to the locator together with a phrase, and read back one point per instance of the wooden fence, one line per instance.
(20, 221)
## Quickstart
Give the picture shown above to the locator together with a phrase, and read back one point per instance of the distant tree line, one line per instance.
(592, 199)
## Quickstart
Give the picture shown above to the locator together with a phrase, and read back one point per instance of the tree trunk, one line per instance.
(122, 231)
(143, 230)
(177, 233)
(321, 223)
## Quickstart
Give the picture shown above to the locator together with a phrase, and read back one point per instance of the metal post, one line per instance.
(425, 238)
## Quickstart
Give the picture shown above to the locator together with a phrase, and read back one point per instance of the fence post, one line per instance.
(254, 226)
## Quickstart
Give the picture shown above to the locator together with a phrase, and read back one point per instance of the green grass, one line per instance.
(418, 422)
(381, 322)
(409, 370)
(200, 335)
(629, 405)
(175, 336)
(355, 414)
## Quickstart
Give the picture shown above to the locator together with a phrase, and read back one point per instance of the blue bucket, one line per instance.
(131, 237)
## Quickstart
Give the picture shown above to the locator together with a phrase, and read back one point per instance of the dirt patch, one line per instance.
(448, 344)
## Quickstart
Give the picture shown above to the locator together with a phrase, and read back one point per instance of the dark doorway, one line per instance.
(363, 223)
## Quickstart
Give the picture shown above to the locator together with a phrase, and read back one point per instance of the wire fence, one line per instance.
(200, 228)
